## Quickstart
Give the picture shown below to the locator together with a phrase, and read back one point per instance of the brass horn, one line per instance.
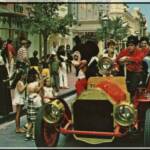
(53, 111)
(105, 65)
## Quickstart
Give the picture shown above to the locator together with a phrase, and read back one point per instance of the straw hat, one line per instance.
(24, 42)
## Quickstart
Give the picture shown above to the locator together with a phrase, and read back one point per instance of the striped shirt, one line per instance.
(22, 54)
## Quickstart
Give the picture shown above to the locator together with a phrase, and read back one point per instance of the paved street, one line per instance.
(43, 32)
(8, 138)
(12, 139)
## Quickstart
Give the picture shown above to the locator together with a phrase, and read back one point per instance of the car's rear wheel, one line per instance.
(46, 134)
(147, 129)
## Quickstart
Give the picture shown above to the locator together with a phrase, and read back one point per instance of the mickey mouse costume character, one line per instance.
(87, 65)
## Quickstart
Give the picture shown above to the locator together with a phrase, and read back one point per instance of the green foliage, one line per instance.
(44, 18)
(112, 29)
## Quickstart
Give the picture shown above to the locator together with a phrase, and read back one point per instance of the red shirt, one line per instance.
(135, 58)
(10, 49)
(145, 50)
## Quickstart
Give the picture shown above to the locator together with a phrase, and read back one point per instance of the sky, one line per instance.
(145, 9)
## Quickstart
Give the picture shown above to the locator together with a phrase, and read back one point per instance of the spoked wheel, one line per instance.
(46, 134)
(50, 135)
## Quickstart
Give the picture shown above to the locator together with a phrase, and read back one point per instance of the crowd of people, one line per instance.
(36, 81)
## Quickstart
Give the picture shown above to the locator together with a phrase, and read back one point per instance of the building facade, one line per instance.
(88, 21)
(11, 26)
(88, 17)
(134, 18)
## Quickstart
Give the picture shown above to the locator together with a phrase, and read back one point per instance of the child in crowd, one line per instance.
(34, 101)
(19, 101)
(45, 66)
(48, 91)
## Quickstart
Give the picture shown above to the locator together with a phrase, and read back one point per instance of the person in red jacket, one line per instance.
(132, 57)
(144, 45)
(11, 53)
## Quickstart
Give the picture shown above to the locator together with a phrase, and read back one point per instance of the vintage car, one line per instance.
(100, 114)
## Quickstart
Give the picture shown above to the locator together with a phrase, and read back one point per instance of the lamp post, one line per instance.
(124, 41)
(104, 20)
(142, 24)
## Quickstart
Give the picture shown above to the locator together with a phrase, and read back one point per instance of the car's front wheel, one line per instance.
(147, 129)
(46, 134)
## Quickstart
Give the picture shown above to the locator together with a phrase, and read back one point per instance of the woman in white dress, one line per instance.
(18, 101)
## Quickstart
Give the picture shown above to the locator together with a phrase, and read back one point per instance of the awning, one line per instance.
(6, 12)
(85, 28)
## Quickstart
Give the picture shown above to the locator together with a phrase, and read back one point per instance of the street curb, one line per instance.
(68, 93)
(12, 115)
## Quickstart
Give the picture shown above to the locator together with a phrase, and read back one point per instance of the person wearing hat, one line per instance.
(132, 57)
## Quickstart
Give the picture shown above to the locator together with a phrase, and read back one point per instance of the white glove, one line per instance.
(123, 59)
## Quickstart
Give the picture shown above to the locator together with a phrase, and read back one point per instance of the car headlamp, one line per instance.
(125, 114)
(53, 111)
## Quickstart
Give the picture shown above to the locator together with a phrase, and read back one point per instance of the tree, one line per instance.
(44, 19)
(115, 29)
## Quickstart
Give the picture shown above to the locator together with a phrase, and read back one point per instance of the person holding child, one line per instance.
(34, 101)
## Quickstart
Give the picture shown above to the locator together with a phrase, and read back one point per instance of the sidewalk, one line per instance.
(62, 93)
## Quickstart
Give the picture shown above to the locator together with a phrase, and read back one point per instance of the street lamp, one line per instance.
(104, 20)
(142, 24)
